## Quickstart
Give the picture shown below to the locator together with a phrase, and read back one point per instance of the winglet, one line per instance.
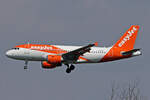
(96, 43)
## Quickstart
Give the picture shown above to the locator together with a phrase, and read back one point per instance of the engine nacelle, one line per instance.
(47, 65)
(54, 59)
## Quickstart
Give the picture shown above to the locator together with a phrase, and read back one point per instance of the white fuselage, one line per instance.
(94, 56)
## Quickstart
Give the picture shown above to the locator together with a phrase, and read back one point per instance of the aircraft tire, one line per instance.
(25, 67)
(68, 70)
(72, 67)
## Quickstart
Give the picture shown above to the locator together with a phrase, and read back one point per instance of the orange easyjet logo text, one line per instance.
(41, 47)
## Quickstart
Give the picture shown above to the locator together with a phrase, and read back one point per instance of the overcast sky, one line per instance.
(71, 22)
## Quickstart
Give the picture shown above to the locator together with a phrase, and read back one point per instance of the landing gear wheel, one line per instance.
(26, 64)
(72, 67)
(68, 70)
(25, 67)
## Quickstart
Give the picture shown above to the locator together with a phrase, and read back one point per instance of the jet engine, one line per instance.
(54, 59)
(47, 65)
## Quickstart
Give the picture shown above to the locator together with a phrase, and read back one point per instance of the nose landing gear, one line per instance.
(70, 68)
(26, 64)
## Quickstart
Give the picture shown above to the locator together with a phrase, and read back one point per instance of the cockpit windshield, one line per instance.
(15, 48)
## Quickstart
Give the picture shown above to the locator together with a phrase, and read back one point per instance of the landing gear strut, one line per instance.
(26, 64)
(69, 68)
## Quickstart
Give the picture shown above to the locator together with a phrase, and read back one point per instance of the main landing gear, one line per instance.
(26, 64)
(69, 68)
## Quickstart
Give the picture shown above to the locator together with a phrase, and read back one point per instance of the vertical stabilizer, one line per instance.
(127, 41)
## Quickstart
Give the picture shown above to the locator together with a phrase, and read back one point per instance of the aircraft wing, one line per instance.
(73, 56)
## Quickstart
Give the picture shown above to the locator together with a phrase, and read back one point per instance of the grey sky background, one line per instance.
(71, 22)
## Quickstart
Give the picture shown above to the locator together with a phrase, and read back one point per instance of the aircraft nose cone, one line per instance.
(8, 54)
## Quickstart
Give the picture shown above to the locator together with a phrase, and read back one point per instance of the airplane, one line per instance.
(53, 56)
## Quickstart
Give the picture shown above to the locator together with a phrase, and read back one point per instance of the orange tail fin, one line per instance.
(127, 41)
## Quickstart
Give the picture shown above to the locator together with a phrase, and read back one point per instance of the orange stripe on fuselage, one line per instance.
(46, 48)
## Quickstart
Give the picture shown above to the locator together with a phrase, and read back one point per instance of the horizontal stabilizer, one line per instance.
(132, 52)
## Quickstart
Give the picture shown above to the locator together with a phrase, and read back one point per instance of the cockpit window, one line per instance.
(15, 48)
